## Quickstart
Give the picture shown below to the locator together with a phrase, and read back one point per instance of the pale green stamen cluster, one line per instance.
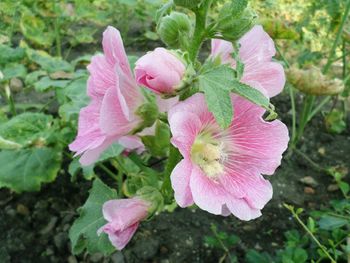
(207, 153)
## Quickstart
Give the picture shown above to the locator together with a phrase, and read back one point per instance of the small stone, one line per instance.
(16, 85)
(48, 228)
(97, 257)
(249, 228)
(309, 190)
(163, 250)
(257, 247)
(189, 242)
(332, 188)
(72, 259)
(322, 151)
(60, 240)
(308, 180)
(22, 210)
(274, 244)
(61, 75)
(118, 257)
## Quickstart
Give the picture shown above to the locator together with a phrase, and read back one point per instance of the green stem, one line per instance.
(57, 33)
(319, 107)
(304, 116)
(199, 30)
(173, 160)
(322, 247)
(224, 247)
(337, 38)
(294, 113)
(308, 113)
(108, 172)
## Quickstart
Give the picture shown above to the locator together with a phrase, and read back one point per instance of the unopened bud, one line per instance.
(153, 196)
(149, 113)
(233, 27)
(312, 81)
(175, 29)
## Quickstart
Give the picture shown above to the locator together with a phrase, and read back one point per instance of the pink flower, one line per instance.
(256, 52)
(160, 71)
(123, 216)
(114, 99)
(221, 169)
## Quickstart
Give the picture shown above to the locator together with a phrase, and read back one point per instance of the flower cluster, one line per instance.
(221, 170)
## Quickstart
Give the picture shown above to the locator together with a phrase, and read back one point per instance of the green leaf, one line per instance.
(75, 167)
(35, 29)
(14, 71)
(83, 233)
(8, 54)
(328, 222)
(46, 83)
(158, 145)
(28, 129)
(113, 150)
(26, 169)
(254, 256)
(8, 145)
(217, 83)
(48, 63)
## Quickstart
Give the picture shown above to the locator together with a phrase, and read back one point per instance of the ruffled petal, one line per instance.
(112, 117)
(270, 75)
(120, 239)
(102, 76)
(241, 209)
(180, 181)
(184, 128)
(208, 194)
(114, 50)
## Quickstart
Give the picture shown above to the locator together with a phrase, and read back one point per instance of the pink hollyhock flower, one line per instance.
(221, 169)
(256, 52)
(160, 71)
(123, 216)
(114, 99)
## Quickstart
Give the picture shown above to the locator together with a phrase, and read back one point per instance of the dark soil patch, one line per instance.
(34, 226)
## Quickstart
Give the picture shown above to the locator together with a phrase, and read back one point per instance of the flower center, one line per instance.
(207, 153)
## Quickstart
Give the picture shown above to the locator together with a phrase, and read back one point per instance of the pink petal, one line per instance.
(180, 181)
(251, 186)
(207, 194)
(195, 104)
(120, 239)
(242, 210)
(224, 49)
(112, 118)
(255, 142)
(114, 49)
(184, 128)
(132, 142)
(164, 105)
(256, 46)
(123, 213)
(102, 76)
(92, 154)
(270, 75)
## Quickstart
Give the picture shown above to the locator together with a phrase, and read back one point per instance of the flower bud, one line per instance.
(175, 29)
(153, 197)
(312, 81)
(160, 71)
(149, 114)
(233, 27)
